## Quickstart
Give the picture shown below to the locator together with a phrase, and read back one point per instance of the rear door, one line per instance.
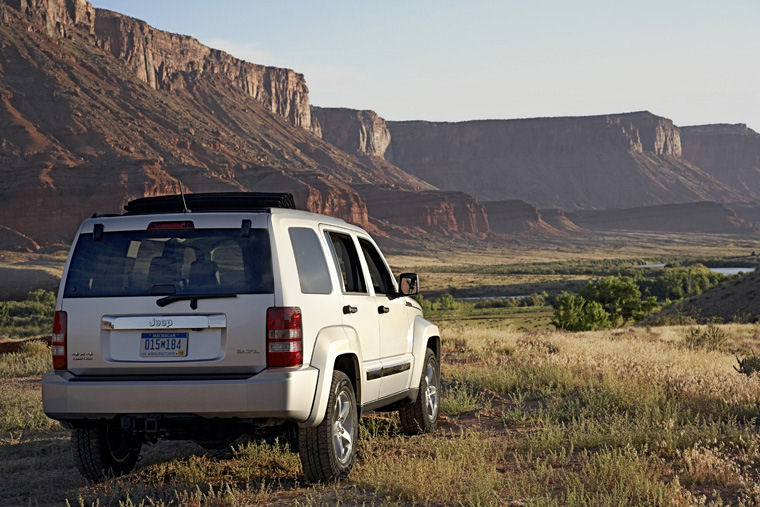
(358, 307)
(169, 297)
(393, 321)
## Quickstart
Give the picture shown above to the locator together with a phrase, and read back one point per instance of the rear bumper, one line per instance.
(282, 393)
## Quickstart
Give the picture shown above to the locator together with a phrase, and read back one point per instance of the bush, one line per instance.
(748, 365)
(710, 338)
(575, 313)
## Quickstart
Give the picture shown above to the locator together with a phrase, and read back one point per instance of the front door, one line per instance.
(393, 321)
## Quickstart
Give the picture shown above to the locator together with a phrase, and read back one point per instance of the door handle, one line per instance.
(350, 309)
(383, 309)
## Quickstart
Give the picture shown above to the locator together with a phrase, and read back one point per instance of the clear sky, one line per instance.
(693, 61)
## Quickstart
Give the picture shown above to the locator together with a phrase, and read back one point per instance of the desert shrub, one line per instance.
(425, 304)
(710, 338)
(447, 303)
(748, 364)
(575, 313)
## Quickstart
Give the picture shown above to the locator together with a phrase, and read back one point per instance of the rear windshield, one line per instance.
(143, 263)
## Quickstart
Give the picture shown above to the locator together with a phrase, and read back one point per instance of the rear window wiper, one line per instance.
(192, 297)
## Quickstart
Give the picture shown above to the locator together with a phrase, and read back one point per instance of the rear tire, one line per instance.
(103, 450)
(328, 451)
(421, 416)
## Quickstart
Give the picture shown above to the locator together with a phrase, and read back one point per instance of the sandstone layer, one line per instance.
(168, 61)
(352, 130)
(448, 213)
(516, 217)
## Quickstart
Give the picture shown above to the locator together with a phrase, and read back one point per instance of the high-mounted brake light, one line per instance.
(284, 336)
(166, 226)
(58, 343)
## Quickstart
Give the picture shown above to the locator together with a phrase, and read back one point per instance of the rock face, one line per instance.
(351, 130)
(57, 17)
(709, 217)
(448, 213)
(168, 61)
(88, 122)
(582, 162)
(730, 153)
(516, 217)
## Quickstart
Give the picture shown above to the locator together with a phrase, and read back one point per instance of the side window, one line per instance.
(310, 261)
(347, 262)
(381, 279)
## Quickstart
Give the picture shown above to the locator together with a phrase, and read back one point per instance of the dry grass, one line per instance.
(628, 416)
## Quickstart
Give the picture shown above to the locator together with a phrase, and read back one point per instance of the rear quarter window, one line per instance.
(310, 261)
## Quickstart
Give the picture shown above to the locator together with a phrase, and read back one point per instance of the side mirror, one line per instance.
(408, 284)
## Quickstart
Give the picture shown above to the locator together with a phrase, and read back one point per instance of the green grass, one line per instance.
(31, 317)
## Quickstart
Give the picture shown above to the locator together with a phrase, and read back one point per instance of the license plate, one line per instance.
(163, 345)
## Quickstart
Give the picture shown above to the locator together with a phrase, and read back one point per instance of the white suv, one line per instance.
(209, 316)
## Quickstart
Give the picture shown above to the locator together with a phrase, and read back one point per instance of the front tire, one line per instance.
(103, 450)
(328, 451)
(421, 416)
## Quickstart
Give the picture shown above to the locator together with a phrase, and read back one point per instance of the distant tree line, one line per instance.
(615, 300)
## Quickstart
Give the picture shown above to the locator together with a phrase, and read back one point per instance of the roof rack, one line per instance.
(215, 201)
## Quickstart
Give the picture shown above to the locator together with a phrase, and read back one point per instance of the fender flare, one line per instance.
(424, 330)
(331, 343)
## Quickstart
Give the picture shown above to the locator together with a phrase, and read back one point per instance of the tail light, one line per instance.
(284, 336)
(59, 341)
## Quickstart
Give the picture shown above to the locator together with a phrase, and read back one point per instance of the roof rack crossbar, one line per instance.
(214, 201)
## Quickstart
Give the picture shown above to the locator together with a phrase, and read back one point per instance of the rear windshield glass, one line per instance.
(143, 263)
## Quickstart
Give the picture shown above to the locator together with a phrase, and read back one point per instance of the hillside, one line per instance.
(708, 217)
(97, 108)
(735, 300)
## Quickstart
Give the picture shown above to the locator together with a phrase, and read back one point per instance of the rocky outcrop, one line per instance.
(558, 220)
(167, 61)
(516, 217)
(729, 153)
(448, 213)
(605, 161)
(57, 17)
(708, 217)
(351, 130)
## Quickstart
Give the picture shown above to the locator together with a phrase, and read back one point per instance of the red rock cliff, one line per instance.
(351, 130)
(166, 61)
(56, 16)
(730, 153)
(580, 162)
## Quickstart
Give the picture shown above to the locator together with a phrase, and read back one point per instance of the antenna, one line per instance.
(184, 203)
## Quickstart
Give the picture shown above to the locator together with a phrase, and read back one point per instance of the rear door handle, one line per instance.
(350, 309)
(383, 309)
